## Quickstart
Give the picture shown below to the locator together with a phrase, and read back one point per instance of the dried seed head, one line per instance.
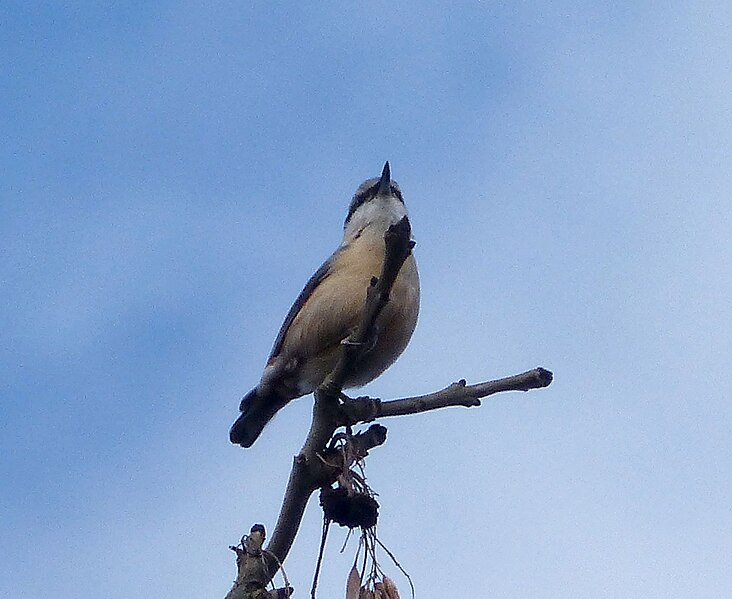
(354, 510)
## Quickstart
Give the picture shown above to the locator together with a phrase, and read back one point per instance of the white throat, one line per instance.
(378, 214)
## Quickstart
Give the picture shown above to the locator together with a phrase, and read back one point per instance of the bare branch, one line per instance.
(253, 570)
(365, 409)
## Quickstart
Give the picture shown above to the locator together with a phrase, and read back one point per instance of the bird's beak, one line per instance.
(385, 183)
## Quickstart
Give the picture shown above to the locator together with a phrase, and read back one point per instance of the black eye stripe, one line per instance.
(361, 198)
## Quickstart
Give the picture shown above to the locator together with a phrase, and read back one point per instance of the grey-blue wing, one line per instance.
(305, 294)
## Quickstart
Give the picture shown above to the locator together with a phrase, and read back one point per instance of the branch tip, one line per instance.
(545, 376)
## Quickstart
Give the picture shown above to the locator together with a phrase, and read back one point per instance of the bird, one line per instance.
(328, 310)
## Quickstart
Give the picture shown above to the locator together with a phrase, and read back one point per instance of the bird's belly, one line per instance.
(334, 311)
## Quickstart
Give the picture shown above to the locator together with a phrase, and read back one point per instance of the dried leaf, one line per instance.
(353, 586)
(366, 594)
(390, 588)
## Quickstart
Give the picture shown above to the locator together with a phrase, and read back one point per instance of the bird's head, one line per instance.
(377, 202)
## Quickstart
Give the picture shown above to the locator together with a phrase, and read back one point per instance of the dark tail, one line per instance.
(256, 411)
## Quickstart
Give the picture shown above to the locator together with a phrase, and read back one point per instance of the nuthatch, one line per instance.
(328, 309)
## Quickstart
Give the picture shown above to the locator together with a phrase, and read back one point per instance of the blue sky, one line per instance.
(174, 172)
